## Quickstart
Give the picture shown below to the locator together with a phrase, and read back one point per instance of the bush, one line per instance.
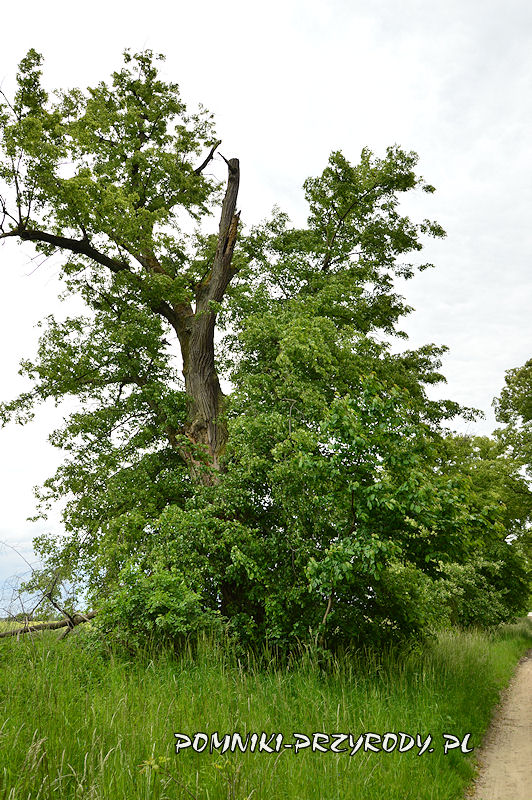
(152, 606)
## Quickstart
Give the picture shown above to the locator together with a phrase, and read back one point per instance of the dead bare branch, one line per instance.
(77, 619)
(202, 166)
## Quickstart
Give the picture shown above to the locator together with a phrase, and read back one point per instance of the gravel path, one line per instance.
(506, 755)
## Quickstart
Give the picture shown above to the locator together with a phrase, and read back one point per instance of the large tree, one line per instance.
(309, 499)
(514, 410)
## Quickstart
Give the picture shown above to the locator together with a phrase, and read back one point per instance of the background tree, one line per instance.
(313, 500)
(514, 409)
(495, 580)
(103, 176)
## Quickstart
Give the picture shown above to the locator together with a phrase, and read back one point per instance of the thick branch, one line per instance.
(69, 618)
(79, 246)
(77, 619)
(83, 247)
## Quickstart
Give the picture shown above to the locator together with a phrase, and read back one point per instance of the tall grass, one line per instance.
(75, 724)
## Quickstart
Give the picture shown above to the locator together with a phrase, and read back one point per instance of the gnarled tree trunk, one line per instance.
(205, 427)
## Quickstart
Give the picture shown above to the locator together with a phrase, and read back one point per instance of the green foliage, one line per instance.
(515, 402)
(114, 162)
(476, 594)
(156, 607)
(514, 408)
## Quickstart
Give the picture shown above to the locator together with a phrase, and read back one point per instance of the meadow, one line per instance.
(80, 723)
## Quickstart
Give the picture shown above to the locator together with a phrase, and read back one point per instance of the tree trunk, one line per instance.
(205, 427)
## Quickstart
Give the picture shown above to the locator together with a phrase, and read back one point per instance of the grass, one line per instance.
(75, 725)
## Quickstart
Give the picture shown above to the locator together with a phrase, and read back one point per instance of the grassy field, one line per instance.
(77, 724)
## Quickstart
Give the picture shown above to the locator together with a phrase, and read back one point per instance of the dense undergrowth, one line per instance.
(79, 723)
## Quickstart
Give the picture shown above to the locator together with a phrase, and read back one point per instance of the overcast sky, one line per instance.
(288, 82)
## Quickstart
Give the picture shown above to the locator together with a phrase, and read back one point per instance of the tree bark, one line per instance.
(205, 427)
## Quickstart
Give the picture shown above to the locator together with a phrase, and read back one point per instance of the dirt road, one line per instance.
(506, 756)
